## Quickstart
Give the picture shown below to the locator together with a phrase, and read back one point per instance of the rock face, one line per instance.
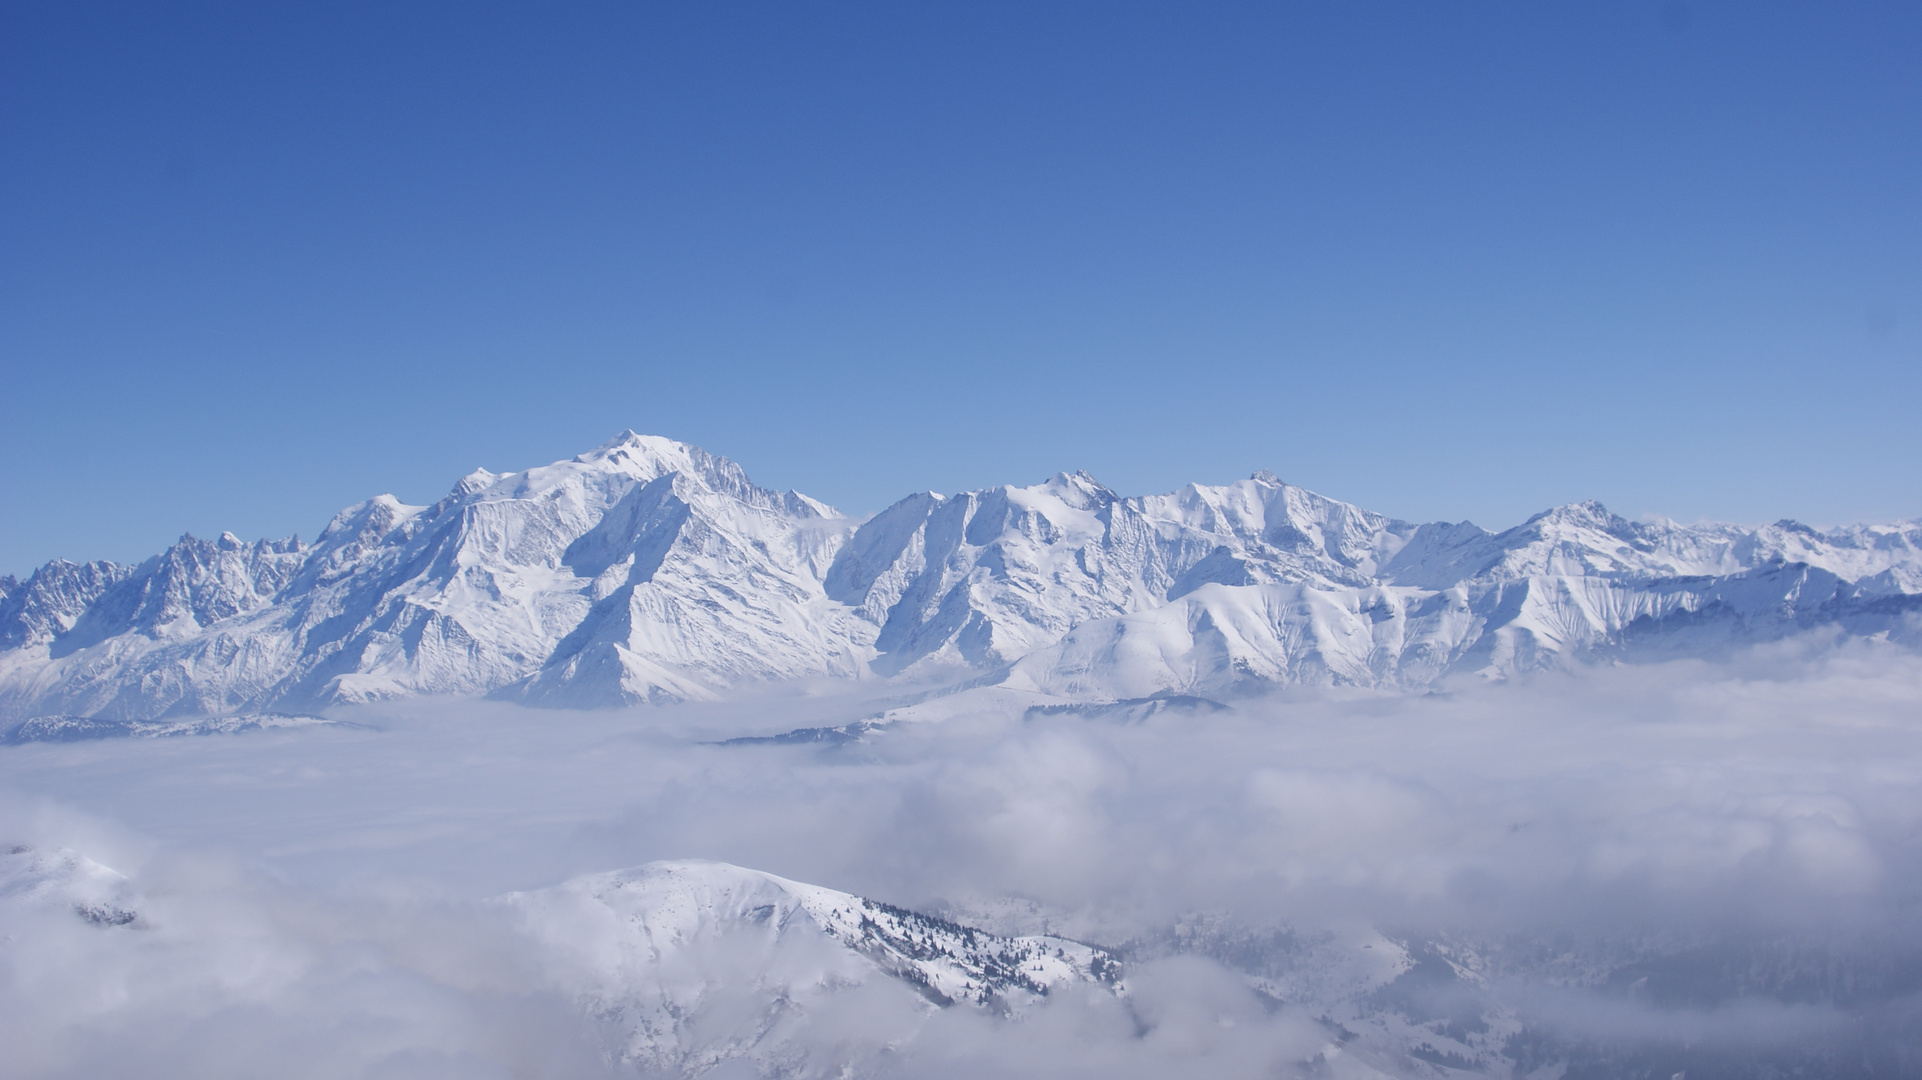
(651, 570)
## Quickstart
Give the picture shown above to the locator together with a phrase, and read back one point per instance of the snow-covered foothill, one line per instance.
(63, 879)
(698, 962)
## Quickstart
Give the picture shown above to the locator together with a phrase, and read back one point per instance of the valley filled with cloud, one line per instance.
(1710, 867)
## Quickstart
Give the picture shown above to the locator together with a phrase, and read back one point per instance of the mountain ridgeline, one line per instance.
(650, 570)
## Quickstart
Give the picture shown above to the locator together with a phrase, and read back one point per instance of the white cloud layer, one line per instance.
(1745, 839)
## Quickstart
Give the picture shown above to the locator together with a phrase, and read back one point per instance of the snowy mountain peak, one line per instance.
(1079, 490)
(473, 483)
(646, 457)
(649, 457)
(627, 437)
(1586, 514)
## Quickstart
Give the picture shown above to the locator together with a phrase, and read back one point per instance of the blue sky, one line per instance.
(261, 261)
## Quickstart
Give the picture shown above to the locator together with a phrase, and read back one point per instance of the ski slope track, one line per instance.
(651, 570)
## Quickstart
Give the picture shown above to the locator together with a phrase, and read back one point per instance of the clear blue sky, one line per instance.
(1443, 260)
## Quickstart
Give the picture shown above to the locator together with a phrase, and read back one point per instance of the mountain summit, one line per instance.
(652, 570)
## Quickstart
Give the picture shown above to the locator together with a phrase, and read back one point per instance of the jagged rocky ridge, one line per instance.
(651, 570)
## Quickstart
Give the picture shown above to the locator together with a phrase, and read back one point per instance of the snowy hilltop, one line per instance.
(651, 570)
(671, 951)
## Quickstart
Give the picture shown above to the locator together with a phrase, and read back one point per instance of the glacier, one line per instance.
(649, 570)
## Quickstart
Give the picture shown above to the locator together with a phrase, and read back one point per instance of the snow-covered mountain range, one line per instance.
(651, 570)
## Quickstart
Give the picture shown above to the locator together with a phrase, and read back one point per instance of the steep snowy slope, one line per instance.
(697, 962)
(701, 581)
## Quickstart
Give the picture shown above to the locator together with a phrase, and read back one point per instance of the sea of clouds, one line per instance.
(1712, 864)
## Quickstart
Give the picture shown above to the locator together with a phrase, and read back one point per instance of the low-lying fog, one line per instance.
(1714, 867)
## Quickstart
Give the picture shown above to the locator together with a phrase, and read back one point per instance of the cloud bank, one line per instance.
(1715, 866)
